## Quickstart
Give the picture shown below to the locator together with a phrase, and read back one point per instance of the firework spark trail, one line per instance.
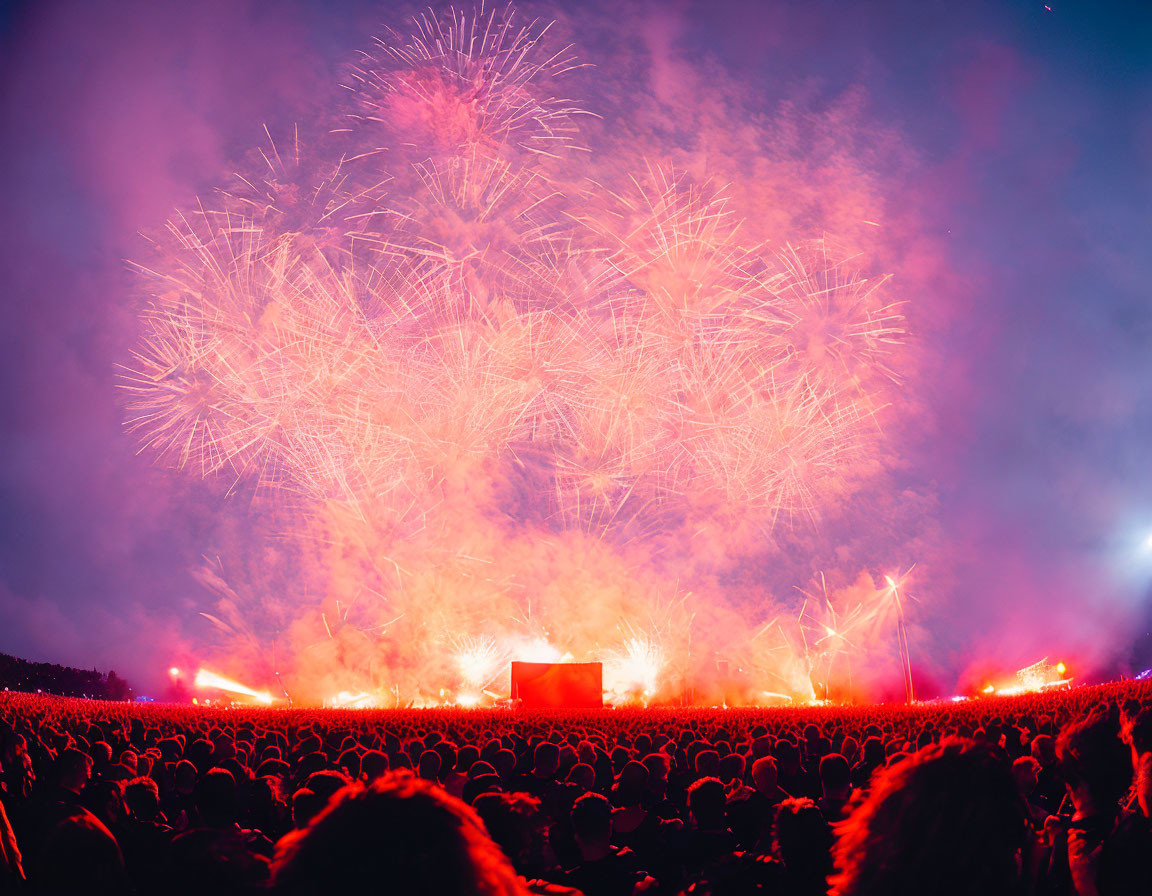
(211, 681)
(472, 220)
(679, 244)
(829, 635)
(451, 367)
(301, 191)
(838, 324)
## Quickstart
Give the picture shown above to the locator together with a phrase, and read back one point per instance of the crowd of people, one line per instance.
(1047, 794)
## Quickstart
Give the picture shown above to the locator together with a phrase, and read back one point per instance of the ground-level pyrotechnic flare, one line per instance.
(210, 681)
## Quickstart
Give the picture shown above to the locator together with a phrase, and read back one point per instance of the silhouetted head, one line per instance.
(706, 801)
(429, 765)
(707, 764)
(802, 839)
(327, 783)
(81, 856)
(835, 775)
(631, 784)
(184, 776)
(142, 797)
(732, 767)
(1026, 771)
(545, 759)
(216, 798)
(402, 832)
(583, 776)
(764, 775)
(945, 820)
(466, 755)
(1138, 731)
(787, 757)
(1096, 764)
(514, 821)
(873, 751)
(73, 769)
(658, 766)
(1043, 749)
(1139, 735)
(505, 762)
(592, 822)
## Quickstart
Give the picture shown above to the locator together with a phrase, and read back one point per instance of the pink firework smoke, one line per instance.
(488, 399)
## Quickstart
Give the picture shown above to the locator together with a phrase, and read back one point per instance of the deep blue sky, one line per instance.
(1030, 138)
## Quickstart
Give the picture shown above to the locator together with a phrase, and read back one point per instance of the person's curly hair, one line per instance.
(514, 821)
(946, 820)
(1093, 757)
(1139, 731)
(401, 832)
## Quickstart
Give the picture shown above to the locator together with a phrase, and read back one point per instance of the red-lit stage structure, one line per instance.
(558, 685)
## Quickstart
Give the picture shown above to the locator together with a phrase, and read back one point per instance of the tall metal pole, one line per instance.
(902, 638)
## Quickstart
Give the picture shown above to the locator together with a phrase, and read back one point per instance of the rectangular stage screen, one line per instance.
(558, 685)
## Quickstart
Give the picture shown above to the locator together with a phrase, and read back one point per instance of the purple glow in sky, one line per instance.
(1004, 151)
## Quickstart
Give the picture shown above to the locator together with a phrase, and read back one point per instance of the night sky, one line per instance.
(1009, 144)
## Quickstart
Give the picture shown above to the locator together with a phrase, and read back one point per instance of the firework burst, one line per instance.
(838, 324)
(460, 81)
(679, 244)
(456, 376)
